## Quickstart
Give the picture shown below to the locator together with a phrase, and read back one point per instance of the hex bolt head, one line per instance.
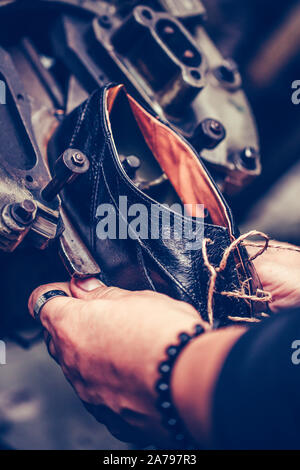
(216, 127)
(208, 134)
(78, 159)
(24, 212)
(67, 167)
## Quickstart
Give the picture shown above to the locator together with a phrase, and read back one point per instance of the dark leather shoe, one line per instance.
(111, 127)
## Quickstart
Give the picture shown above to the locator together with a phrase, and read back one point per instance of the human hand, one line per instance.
(279, 272)
(109, 343)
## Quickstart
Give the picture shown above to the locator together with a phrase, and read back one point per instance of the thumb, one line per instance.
(52, 310)
(92, 289)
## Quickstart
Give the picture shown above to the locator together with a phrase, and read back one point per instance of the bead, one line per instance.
(165, 405)
(184, 338)
(172, 422)
(164, 368)
(162, 386)
(172, 351)
(170, 418)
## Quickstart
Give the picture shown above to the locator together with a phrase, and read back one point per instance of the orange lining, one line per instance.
(111, 95)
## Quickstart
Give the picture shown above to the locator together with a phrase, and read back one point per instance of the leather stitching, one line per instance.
(149, 251)
(141, 261)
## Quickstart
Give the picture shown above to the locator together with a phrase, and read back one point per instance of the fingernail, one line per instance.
(88, 284)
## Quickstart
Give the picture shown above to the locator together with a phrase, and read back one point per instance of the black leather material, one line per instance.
(164, 265)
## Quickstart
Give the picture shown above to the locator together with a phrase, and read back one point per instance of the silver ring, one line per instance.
(43, 299)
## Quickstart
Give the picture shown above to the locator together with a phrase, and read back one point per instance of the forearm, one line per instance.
(195, 375)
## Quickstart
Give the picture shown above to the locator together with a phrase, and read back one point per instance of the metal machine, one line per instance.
(54, 53)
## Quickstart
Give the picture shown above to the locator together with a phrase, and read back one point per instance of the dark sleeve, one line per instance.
(256, 403)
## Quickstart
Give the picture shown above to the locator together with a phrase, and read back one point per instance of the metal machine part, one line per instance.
(15, 222)
(188, 10)
(76, 257)
(67, 167)
(32, 111)
(22, 170)
(175, 68)
(208, 135)
(173, 73)
(162, 53)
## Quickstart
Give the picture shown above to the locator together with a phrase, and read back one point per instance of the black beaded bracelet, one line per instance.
(170, 417)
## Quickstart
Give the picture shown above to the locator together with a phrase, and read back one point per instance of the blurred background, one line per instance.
(38, 409)
(264, 39)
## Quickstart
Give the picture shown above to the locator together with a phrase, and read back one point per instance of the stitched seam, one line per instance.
(148, 250)
(80, 119)
(150, 201)
(96, 163)
(95, 187)
(141, 261)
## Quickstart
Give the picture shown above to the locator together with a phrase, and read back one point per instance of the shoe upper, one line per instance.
(111, 125)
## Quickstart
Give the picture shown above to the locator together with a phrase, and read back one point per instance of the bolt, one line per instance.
(131, 164)
(23, 212)
(68, 166)
(208, 134)
(78, 159)
(249, 156)
(216, 127)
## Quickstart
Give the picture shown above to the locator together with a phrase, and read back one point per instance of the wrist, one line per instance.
(170, 417)
(162, 341)
(195, 375)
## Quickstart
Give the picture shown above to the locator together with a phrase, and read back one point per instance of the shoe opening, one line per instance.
(174, 157)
